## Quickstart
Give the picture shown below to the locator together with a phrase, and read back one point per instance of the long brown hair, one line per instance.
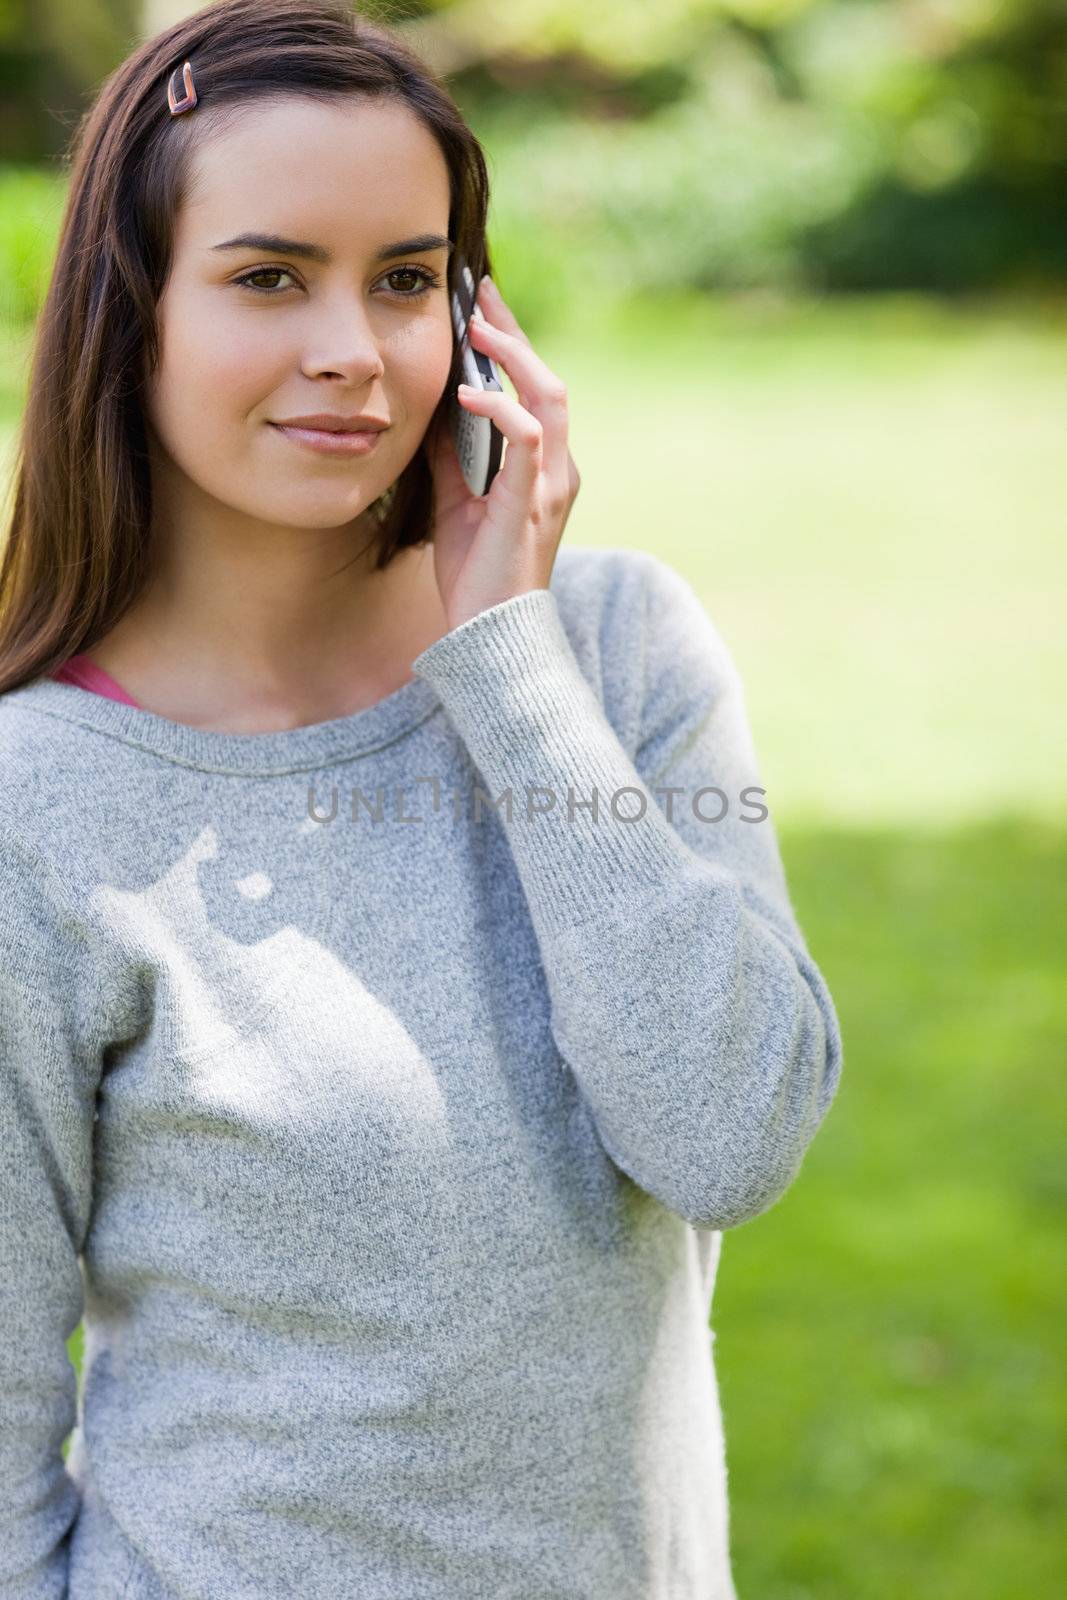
(78, 550)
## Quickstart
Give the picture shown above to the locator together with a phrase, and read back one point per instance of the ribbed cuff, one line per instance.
(512, 687)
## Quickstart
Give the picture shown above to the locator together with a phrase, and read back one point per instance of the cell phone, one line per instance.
(479, 442)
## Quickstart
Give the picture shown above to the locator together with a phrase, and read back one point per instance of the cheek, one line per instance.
(217, 371)
(213, 371)
(417, 360)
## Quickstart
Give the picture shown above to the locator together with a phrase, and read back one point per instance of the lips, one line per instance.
(331, 422)
(331, 441)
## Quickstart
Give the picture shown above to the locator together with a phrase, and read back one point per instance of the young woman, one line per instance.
(399, 987)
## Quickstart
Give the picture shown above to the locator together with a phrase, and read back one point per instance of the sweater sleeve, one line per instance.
(683, 997)
(47, 1100)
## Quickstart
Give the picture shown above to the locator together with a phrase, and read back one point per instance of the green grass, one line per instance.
(868, 497)
(888, 1335)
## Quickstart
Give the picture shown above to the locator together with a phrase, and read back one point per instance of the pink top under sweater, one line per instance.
(85, 674)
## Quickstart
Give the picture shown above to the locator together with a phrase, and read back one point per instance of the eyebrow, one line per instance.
(315, 252)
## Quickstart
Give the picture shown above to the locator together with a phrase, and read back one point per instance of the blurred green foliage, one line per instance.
(31, 200)
(792, 144)
(54, 54)
(818, 144)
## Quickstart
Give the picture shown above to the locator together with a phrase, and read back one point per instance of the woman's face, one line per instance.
(331, 328)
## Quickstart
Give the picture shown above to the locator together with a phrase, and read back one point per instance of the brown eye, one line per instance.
(429, 281)
(263, 272)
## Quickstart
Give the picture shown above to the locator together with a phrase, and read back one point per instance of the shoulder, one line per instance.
(47, 782)
(600, 598)
(59, 965)
(606, 581)
(36, 758)
(614, 589)
(641, 632)
(36, 917)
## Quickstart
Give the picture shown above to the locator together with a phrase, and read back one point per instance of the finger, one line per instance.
(539, 389)
(497, 313)
(523, 432)
(540, 392)
(492, 305)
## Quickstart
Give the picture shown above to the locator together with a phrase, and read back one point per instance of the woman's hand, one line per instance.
(492, 547)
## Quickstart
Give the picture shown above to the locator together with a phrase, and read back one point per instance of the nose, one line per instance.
(340, 342)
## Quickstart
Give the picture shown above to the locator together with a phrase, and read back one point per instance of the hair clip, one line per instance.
(190, 98)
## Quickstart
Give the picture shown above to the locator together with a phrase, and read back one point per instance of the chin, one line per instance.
(312, 514)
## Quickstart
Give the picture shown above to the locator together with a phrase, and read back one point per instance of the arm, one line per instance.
(683, 997)
(47, 1098)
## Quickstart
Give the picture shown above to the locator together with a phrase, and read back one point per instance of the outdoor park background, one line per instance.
(819, 249)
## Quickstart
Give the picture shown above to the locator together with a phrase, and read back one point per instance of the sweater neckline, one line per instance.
(288, 750)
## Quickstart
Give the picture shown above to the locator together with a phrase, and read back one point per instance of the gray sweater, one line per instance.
(381, 1105)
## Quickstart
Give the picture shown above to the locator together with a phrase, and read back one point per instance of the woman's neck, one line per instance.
(241, 663)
